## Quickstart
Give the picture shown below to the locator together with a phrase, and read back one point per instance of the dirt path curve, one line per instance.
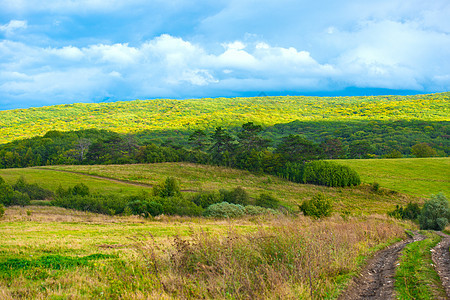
(441, 258)
(107, 178)
(376, 280)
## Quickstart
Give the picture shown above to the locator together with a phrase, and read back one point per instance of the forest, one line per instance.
(170, 117)
(236, 146)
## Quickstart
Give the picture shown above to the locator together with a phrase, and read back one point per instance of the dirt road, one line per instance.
(376, 281)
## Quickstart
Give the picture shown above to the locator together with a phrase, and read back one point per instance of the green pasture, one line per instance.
(415, 176)
(51, 179)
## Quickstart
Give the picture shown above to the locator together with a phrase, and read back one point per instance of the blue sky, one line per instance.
(68, 51)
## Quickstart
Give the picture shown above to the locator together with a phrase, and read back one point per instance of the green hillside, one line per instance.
(186, 115)
(415, 176)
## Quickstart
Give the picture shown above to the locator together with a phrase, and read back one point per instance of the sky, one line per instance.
(69, 51)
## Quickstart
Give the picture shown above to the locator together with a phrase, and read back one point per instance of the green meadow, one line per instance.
(415, 176)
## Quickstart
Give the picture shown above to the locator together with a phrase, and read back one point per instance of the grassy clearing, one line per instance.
(53, 252)
(52, 179)
(415, 276)
(415, 176)
(192, 177)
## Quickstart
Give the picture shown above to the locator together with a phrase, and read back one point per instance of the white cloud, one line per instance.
(13, 26)
(218, 47)
(164, 64)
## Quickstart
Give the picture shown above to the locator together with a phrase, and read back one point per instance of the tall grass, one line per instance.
(290, 259)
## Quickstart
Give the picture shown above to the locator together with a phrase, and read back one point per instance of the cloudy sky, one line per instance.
(68, 51)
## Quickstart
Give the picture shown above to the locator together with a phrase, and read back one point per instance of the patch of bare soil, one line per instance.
(376, 281)
(441, 258)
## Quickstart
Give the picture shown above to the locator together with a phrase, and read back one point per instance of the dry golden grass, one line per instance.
(268, 257)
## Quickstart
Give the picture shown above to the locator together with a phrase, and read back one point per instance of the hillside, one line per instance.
(187, 115)
(414, 176)
(195, 178)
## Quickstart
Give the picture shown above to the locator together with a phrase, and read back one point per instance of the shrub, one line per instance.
(169, 188)
(410, 212)
(2, 210)
(145, 208)
(179, 206)
(319, 206)
(80, 189)
(205, 199)
(102, 204)
(224, 210)
(252, 210)
(435, 213)
(236, 196)
(375, 187)
(19, 198)
(6, 194)
(329, 174)
(268, 201)
(34, 191)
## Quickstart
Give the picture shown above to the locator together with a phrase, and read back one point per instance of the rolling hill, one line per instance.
(188, 115)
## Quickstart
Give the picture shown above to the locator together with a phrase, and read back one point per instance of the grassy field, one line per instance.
(191, 114)
(415, 179)
(415, 176)
(210, 178)
(52, 179)
(53, 253)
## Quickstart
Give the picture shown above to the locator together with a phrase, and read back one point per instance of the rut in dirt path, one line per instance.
(376, 281)
(441, 258)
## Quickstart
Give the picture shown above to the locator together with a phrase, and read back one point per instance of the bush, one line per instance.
(2, 210)
(236, 196)
(435, 213)
(375, 187)
(6, 193)
(268, 201)
(224, 210)
(205, 199)
(169, 188)
(145, 208)
(179, 206)
(34, 191)
(80, 189)
(252, 210)
(102, 204)
(19, 198)
(410, 212)
(330, 174)
(319, 206)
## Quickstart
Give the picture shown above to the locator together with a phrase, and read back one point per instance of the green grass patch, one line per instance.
(51, 179)
(415, 277)
(414, 176)
(10, 267)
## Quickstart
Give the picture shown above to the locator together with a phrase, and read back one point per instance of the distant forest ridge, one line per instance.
(165, 115)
